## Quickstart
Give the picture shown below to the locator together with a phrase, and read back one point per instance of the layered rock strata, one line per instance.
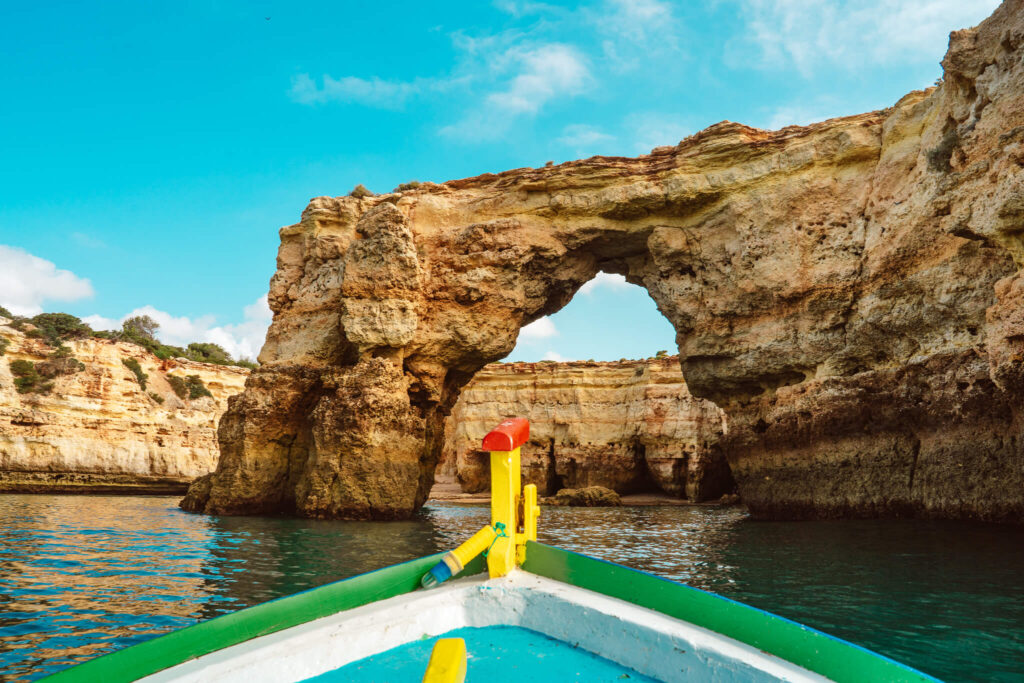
(848, 292)
(98, 431)
(630, 426)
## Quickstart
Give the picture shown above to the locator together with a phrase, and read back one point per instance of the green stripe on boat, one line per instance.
(809, 648)
(171, 649)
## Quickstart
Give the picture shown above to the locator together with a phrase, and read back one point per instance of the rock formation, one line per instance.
(848, 292)
(629, 426)
(99, 431)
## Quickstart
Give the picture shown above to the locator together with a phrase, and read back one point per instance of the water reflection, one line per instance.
(85, 575)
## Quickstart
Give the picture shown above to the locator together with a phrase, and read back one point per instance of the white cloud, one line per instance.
(542, 328)
(605, 281)
(636, 31)
(536, 76)
(373, 92)
(27, 281)
(243, 340)
(637, 19)
(518, 8)
(812, 33)
(554, 355)
(583, 138)
(546, 72)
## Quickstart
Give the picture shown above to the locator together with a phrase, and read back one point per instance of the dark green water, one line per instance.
(80, 576)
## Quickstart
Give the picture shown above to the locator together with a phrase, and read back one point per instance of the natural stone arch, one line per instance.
(828, 286)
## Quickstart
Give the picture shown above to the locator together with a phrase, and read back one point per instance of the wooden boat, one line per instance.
(500, 607)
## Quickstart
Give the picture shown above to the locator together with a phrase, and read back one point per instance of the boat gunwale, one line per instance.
(771, 633)
(814, 650)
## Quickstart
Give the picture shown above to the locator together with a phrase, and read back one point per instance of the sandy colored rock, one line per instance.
(98, 431)
(630, 426)
(588, 497)
(847, 292)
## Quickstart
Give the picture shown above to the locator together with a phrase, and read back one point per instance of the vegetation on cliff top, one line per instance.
(141, 330)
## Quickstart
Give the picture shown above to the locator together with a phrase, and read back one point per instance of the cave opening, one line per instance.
(599, 378)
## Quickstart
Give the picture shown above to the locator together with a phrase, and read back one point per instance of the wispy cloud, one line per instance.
(521, 8)
(812, 34)
(555, 356)
(87, 241)
(27, 282)
(651, 130)
(609, 281)
(371, 92)
(243, 340)
(635, 30)
(583, 139)
(800, 114)
(542, 328)
(531, 77)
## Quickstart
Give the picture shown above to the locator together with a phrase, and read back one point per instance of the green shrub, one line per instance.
(5, 313)
(661, 354)
(27, 379)
(243, 363)
(57, 327)
(136, 369)
(411, 185)
(178, 386)
(156, 397)
(208, 353)
(360, 191)
(196, 388)
(140, 327)
(60, 362)
(4, 343)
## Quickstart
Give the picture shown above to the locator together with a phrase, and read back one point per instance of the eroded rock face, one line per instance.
(629, 426)
(848, 292)
(99, 431)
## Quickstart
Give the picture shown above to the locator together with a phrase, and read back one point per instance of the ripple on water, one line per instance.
(82, 576)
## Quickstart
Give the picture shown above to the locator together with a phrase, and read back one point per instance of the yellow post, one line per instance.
(503, 541)
(447, 662)
(531, 511)
(504, 511)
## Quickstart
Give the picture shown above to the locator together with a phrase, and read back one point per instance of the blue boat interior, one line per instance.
(493, 653)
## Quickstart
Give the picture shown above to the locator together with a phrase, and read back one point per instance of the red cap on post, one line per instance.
(508, 436)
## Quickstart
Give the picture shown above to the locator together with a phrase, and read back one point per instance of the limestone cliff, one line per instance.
(629, 426)
(848, 292)
(97, 430)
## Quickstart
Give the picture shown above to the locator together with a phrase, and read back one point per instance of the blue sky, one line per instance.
(152, 150)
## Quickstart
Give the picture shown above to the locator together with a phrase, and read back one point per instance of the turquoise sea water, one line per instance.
(493, 653)
(84, 575)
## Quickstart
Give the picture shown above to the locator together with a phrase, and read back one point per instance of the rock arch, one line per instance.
(848, 292)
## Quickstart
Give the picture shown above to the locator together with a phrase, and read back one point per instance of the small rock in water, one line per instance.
(591, 497)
